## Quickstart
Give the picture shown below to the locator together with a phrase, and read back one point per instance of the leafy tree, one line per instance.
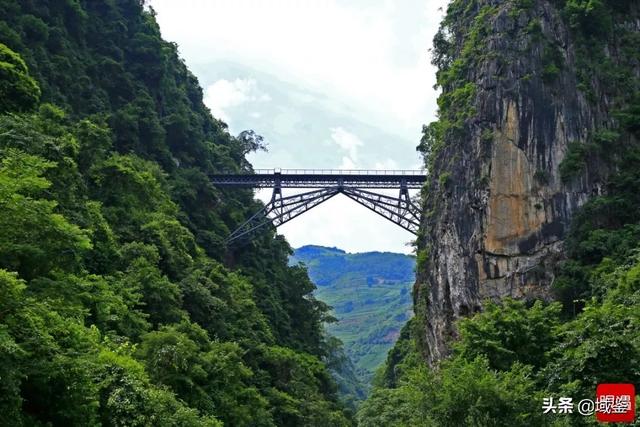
(389, 407)
(459, 392)
(510, 332)
(100, 301)
(209, 376)
(51, 365)
(295, 388)
(127, 398)
(175, 243)
(18, 90)
(250, 141)
(34, 237)
(130, 189)
(161, 299)
(11, 354)
(95, 142)
(603, 343)
(223, 304)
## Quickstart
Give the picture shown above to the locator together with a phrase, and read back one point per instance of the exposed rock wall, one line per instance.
(496, 207)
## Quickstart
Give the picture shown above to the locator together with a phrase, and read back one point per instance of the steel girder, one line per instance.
(280, 210)
(304, 179)
(399, 210)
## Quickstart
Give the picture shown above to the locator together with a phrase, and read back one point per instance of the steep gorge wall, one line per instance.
(516, 102)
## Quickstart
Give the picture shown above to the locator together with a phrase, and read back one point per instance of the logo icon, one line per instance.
(615, 403)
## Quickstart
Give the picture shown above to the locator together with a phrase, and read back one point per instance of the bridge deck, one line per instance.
(320, 178)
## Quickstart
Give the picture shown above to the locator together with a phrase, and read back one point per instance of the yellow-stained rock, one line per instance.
(511, 213)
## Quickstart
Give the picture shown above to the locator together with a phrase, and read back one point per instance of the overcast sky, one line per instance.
(328, 83)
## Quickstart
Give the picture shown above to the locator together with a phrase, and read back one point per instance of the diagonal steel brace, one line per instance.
(400, 210)
(281, 210)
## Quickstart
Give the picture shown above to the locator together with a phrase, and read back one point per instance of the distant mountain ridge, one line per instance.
(370, 294)
(334, 262)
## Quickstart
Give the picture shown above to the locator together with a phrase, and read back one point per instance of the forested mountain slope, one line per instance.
(119, 303)
(528, 275)
(370, 294)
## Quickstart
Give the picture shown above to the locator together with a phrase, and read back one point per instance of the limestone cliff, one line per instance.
(516, 102)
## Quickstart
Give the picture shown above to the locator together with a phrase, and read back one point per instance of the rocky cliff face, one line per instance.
(500, 199)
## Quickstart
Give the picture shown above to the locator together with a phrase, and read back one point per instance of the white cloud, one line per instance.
(347, 163)
(225, 94)
(349, 144)
(371, 55)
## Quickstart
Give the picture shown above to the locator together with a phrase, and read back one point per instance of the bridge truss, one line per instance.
(358, 185)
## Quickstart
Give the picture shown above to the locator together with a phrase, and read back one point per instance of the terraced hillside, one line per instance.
(371, 297)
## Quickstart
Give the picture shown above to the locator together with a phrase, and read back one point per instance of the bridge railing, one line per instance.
(394, 172)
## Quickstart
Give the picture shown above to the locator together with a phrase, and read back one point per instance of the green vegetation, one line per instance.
(119, 304)
(593, 17)
(574, 162)
(603, 145)
(422, 259)
(552, 63)
(444, 179)
(371, 298)
(18, 90)
(511, 355)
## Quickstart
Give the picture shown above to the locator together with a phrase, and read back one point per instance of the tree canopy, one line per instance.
(119, 302)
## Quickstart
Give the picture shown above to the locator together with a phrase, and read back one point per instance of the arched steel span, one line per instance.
(355, 184)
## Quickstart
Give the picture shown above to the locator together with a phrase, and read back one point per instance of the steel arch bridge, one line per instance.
(358, 185)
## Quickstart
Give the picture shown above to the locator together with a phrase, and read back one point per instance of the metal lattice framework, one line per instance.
(352, 183)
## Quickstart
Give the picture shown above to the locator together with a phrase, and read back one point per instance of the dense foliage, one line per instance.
(119, 302)
(370, 294)
(513, 354)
